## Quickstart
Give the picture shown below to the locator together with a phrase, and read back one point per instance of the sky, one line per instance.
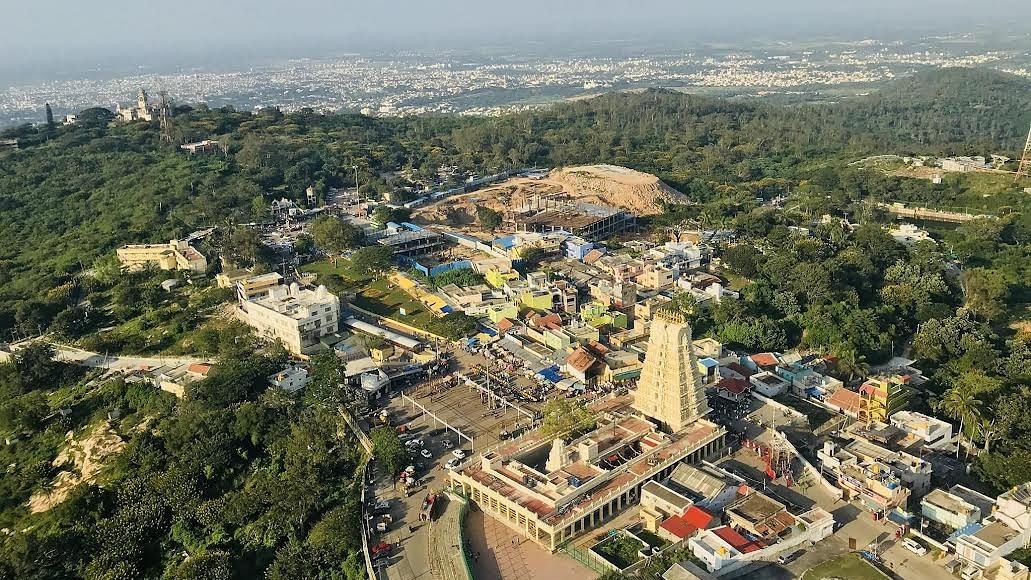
(70, 32)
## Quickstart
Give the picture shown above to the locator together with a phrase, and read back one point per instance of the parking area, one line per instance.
(450, 404)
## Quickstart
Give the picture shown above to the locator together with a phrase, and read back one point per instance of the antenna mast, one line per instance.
(1025, 160)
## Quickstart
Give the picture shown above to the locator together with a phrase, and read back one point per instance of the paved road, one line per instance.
(78, 356)
(118, 362)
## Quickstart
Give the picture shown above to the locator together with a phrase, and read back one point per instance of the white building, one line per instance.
(661, 499)
(910, 235)
(989, 544)
(945, 508)
(297, 317)
(935, 433)
(291, 379)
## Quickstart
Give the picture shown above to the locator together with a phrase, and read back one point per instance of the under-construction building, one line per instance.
(585, 220)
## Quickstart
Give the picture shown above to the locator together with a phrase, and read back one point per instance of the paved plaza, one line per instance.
(506, 555)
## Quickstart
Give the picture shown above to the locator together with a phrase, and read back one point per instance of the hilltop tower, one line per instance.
(670, 389)
(1024, 170)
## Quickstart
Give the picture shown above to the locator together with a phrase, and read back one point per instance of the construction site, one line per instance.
(592, 202)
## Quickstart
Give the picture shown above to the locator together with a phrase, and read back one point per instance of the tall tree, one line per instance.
(984, 292)
(960, 403)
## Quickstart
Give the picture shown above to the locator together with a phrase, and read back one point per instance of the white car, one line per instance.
(452, 463)
(414, 443)
(426, 454)
(914, 546)
(458, 454)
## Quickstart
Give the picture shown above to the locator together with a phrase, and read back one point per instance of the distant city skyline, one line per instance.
(62, 37)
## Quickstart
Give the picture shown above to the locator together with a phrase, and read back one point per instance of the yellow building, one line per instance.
(882, 397)
(501, 311)
(175, 255)
(257, 285)
(497, 279)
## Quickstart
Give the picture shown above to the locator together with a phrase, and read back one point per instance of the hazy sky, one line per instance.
(56, 31)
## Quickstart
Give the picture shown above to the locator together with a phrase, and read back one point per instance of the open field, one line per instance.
(848, 566)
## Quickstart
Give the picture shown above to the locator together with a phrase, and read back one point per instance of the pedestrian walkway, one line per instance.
(447, 555)
(506, 555)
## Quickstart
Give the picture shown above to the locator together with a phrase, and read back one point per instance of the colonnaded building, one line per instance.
(554, 490)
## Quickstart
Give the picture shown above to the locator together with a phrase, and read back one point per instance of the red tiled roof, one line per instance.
(200, 368)
(678, 527)
(581, 360)
(730, 536)
(735, 386)
(593, 256)
(697, 517)
(740, 369)
(765, 359)
(504, 325)
(845, 399)
(549, 320)
(598, 348)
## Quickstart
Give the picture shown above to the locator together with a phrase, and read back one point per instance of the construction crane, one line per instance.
(1025, 160)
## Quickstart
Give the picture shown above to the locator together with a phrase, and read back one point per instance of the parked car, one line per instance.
(790, 557)
(447, 444)
(380, 550)
(458, 454)
(971, 572)
(426, 453)
(381, 505)
(914, 546)
(452, 463)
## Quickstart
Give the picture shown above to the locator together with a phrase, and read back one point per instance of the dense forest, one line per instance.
(74, 193)
(236, 480)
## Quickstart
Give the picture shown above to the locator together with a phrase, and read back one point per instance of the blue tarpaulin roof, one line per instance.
(447, 310)
(900, 517)
(550, 374)
(488, 330)
(506, 242)
(966, 530)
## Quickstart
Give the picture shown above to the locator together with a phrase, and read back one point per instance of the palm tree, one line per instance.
(851, 362)
(960, 403)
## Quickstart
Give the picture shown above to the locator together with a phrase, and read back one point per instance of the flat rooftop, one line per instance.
(996, 534)
(948, 502)
(755, 507)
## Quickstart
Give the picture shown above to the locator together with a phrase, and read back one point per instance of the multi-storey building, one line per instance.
(882, 397)
(297, 317)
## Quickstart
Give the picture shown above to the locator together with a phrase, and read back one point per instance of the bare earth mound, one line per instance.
(619, 187)
(81, 461)
(637, 192)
